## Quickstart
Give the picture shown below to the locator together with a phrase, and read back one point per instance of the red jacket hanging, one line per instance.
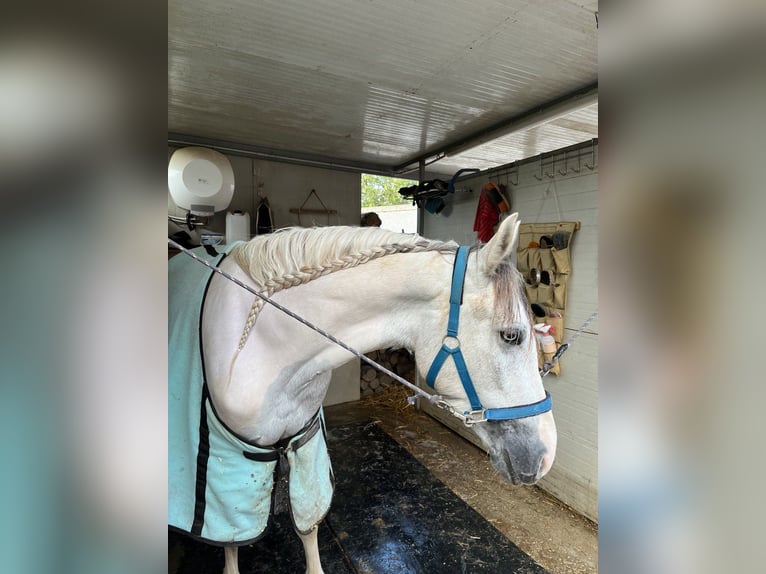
(491, 204)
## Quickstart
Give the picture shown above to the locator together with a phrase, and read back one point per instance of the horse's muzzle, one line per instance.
(525, 469)
(521, 450)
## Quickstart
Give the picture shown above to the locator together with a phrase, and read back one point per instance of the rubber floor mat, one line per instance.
(389, 516)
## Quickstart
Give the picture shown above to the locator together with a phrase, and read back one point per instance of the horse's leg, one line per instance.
(231, 566)
(311, 549)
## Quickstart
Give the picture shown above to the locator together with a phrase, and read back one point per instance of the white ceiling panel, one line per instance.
(379, 83)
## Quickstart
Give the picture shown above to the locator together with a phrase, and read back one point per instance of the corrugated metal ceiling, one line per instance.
(575, 127)
(380, 83)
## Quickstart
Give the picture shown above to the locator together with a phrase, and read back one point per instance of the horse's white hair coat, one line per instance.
(280, 380)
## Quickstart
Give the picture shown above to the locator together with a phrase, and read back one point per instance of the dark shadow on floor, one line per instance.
(389, 516)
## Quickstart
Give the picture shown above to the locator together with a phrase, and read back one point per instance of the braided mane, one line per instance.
(298, 255)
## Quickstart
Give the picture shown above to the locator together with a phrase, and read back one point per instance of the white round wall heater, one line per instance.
(200, 180)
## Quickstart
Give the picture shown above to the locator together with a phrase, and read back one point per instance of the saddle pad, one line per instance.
(215, 492)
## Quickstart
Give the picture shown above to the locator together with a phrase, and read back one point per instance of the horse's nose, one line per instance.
(548, 436)
(546, 462)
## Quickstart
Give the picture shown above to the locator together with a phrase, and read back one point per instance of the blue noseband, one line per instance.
(453, 350)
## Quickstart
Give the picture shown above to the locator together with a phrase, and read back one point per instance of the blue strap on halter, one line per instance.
(520, 412)
(456, 291)
(455, 301)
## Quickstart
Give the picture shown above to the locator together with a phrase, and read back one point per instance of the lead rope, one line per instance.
(548, 365)
(433, 399)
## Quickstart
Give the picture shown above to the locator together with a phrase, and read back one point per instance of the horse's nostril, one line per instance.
(546, 462)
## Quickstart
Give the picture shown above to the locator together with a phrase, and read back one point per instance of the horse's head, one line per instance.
(500, 354)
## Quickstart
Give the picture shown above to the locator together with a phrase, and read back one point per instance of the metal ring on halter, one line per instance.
(451, 347)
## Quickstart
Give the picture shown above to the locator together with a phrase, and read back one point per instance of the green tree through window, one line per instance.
(380, 190)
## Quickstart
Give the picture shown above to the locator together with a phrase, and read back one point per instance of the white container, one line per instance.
(237, 227)
(548, 343)
(200, 180)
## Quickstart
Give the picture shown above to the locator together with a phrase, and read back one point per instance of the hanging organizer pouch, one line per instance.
(544, 260)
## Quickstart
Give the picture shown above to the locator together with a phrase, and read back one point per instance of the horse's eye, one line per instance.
(512, 336)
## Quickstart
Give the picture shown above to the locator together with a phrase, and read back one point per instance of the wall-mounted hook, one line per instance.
(540, 178)
(553, 168)
(573, 170)
(566, 163)
(592, 155)
(514, 183)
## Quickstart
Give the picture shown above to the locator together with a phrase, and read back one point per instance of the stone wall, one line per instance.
(397, 360)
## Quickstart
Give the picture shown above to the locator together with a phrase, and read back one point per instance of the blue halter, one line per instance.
(455, 301)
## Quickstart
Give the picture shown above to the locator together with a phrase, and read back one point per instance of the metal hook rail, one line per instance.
(592, 156)
(552, 175)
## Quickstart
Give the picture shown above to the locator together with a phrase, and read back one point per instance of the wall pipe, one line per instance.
(273, 155)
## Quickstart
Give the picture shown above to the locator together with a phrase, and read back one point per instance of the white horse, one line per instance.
(267, 374)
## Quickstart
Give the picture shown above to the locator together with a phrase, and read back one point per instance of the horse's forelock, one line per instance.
(510, 296)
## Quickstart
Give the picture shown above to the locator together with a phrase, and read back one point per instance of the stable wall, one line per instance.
(286, 186)
(556, 197)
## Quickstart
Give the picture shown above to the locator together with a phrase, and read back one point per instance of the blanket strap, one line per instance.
(281, 495)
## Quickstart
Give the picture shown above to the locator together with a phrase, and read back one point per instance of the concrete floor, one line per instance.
(557, 538)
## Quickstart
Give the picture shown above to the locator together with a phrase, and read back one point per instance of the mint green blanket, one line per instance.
(220, 488)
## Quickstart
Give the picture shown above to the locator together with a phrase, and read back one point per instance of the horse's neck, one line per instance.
(279, 379)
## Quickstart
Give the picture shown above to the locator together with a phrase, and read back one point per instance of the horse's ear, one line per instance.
(502, 246)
